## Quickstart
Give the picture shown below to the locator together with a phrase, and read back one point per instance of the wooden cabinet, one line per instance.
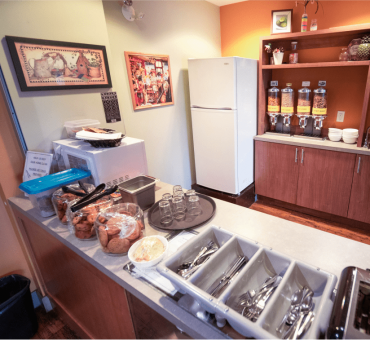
(312, 178)
(325, 180)
(276, 171)
(359, 207)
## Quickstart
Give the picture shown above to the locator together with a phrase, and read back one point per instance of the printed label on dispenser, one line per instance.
(287, 109)
(304, 109)
(319, 112)
(271, 108)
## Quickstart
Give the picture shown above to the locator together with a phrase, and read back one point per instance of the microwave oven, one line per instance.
(111, 166)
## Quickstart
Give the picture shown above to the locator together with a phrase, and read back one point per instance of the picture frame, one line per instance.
(43, 65)
(281, 21)
(150, 80)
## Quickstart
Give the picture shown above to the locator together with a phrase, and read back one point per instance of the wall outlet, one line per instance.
(340, 116)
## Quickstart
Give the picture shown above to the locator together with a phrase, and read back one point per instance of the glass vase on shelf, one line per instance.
(313, 26)
(353, 49)
(343, 56)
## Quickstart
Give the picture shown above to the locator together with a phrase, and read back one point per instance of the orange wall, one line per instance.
(243, 23)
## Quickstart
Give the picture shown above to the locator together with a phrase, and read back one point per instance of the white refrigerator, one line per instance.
(223, 96)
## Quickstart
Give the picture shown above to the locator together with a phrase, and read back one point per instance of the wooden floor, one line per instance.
(353, 233)
(51, 326)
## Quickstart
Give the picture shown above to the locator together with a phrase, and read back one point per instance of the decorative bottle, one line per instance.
(304, 21)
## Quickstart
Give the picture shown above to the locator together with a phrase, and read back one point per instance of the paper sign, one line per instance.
(37, 165)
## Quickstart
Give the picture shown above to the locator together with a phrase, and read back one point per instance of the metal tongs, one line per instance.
(93, 197)
(68, 190)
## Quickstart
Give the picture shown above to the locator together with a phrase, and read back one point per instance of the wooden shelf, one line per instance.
(323, 64)
(332, 37)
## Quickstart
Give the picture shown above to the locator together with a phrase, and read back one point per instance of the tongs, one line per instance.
(68, 190)
(93, 197)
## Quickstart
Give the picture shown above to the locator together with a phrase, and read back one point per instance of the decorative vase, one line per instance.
(278, 58)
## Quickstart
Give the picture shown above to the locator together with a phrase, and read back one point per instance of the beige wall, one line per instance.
(42, 114)
(181, 29)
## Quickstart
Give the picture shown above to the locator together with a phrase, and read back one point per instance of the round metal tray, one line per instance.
(207, 204)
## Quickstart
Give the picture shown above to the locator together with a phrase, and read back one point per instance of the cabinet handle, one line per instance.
(302, 156)
(296, 155)
(358, 166)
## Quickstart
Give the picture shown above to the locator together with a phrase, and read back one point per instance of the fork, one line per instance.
(257, 308)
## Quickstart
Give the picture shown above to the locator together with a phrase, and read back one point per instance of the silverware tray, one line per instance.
(263, 262)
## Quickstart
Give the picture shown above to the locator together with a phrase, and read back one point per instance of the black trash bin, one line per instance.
(17, 315)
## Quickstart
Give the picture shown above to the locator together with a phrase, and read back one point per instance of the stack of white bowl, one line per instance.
(350, 136)
(335, 135)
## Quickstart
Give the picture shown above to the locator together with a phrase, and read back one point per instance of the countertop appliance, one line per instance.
(223, 95)
(350, 315)
(107, 165)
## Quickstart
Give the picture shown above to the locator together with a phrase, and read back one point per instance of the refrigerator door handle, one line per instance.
(211, 108)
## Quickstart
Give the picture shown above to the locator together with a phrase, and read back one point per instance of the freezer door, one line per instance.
(213, 83)
(215, 149)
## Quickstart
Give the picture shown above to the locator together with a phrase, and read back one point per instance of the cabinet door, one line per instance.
(325, 180)
(276, 171)
(359, 205)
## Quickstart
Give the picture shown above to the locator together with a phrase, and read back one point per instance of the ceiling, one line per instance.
(224, 2)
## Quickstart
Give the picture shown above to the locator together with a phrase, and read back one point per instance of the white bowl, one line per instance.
(147, 264)
(335, 134)
(335, 138)
(349, 140)
(333, 130)
(350, 132)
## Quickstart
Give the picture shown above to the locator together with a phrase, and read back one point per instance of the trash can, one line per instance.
(17, 315)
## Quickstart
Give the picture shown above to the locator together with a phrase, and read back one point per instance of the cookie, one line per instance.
(92, 217)
(103, 236)
(61, 213)
(102, 220)
(64, 219)
(83, 226)
(76, 220)
(118, 245)
(83, 234)
(141, 224)
(135, 234)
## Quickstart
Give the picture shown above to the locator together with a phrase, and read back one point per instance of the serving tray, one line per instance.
(207, 204)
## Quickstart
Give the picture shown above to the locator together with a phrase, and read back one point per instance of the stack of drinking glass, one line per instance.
(179, 205)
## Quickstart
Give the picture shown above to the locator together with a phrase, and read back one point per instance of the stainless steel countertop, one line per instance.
(313, 143)
(327, 251)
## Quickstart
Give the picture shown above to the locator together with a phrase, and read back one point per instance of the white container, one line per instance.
(350, 132)
(335, 137)
(147, 264)
(278, 58)
(73, 126)
(42, 202)
(333, 130)
(349, 140)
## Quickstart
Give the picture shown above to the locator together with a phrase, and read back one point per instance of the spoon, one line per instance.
(295, 300)
(306, 307)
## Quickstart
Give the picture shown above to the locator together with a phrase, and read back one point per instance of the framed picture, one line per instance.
(150, 80)
(54, 65)
(281, 21)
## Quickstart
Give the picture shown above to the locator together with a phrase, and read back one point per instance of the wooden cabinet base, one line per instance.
(359, 228)
(92, 304)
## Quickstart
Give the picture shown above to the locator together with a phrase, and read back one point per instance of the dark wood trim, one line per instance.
(245, 199)
(365, 108)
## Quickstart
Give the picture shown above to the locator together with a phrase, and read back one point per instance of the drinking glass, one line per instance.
(188, 194)
(167, 197)
(165, 212)
(177, 188)
(194, 207)
(179, 208)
